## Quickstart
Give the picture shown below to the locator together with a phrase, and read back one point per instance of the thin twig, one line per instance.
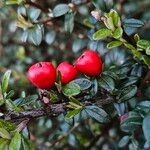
(63, 135)
(52, 111)
(22, 125)
(29, 2)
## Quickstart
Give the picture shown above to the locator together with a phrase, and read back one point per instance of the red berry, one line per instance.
(89, 63)
(68, 72)
(42, 75)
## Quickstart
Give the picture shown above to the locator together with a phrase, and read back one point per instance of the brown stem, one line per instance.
(55, 110)
(23, 124)
(63, 135)
(52, 111)
(36, 5)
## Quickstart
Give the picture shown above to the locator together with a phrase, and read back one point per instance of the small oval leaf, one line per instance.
(101, 34)
(71, 89)
(60, 10)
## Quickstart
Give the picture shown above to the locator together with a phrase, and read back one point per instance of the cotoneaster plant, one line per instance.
(107, 106)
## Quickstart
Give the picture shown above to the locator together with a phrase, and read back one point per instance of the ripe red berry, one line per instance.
(89, 63)
(68, 72)
(42, 75)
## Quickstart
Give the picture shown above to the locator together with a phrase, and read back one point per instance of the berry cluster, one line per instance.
(43, 74)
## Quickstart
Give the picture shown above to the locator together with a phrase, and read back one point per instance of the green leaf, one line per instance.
(53, 96)
(133, 23)
(25, 144)
(148, 50)
(24, 36)
(112, 74)
(60, 10)
(115, 17)
(106, 82)
(101, 4)
(126, 93)
(34, 13)
(144, 44)
(83, 83)
(124, 141)
(69, 22)
(75, 101)
(109, 22)
(2, 101)
(87, 23)
(146, 60)
(134, 51)
(144, 106)
(7, 125)
(3, 143)
(71, 89)
(23, 23)
(11, 106)
(72, 113)
(5, 81)
(118, 33)
(4, 133)
(132, 122)
(10, 94)
(97, 113)
(26, 101)
(113, 44)
(10, 2)
(101, 34)
(15, 143)
(146, 129)
(147, 145)
(35, 34)
(22, 11)
(130, 81)
(136, 37)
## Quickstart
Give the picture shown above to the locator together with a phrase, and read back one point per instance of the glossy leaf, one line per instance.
(7, 125)
(101, 34)
(71, 114)
(35, 35)
(25, 144)
(3, 143)
(118, 33)
(144, 106)
(69, 22)
(10, 2)
(132, 122)
(114, 44)
(146, 129)
(124, 141)
(97, 113)
(60, 10)
(4, 133)
(71, 89)
(15, 143)
(106, 82)
(115, 17)
(34, 13)
(5, 81)
(133, 23)
(83, 83)
(26, 101)
(126, 93)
